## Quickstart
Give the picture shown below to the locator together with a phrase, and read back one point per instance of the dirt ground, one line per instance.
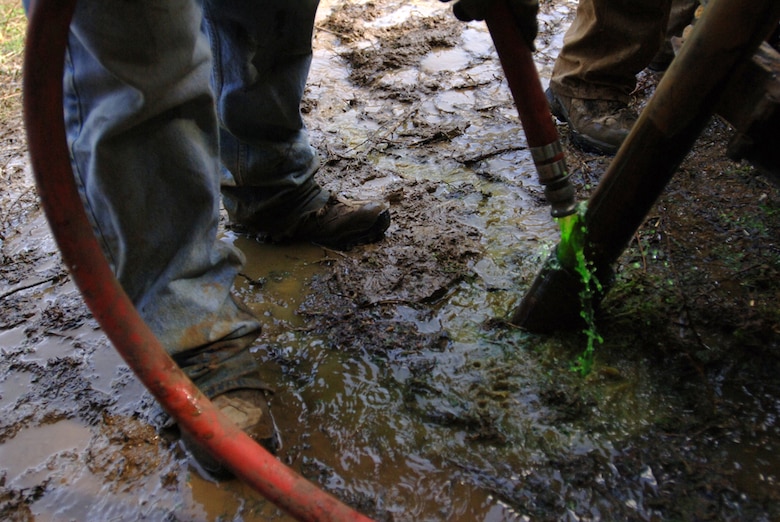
(398, 390)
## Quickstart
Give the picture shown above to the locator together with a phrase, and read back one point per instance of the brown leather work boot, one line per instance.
(341, 224)
(598, 126)
(248, 408)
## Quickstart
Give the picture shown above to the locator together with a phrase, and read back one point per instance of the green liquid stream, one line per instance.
(571, 256)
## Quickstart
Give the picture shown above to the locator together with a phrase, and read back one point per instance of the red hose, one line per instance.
(532, 107)
(521, 75)
(47, 35)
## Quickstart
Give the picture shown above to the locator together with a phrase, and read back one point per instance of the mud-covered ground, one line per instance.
(397, 389)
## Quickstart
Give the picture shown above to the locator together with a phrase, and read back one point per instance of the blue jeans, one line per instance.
(262, 53)
(145, 142)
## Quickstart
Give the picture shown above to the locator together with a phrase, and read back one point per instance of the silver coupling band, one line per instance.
(545, 153)
(552, 172)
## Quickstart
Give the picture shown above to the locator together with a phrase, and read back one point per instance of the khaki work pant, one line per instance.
(610, 41)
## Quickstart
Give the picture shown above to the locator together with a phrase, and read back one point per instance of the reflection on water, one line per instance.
(26, 455)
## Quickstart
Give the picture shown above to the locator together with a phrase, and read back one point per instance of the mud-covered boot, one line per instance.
(598, 126)
(341, 224)
(248, 409)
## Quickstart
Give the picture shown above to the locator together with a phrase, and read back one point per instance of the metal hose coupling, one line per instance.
(551, 167)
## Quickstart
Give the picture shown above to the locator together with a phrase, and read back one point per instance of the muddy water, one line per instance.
(474, 426)
(344, 419)
(347, 420)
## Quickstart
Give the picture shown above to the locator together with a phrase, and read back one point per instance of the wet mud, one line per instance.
(400, 388)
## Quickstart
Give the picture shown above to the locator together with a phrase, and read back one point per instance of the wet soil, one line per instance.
(399, 386)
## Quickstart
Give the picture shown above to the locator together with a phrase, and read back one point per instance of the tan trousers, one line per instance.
(608, 43)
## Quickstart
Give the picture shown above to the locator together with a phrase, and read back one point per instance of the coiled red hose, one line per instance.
(47, 35)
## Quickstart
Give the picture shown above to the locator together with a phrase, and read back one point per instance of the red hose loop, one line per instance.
(48, 25)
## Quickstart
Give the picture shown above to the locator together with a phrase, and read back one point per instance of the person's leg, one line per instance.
(142, 131)
(608, 43)
(262, 54)
(680, 16)
(143, 137)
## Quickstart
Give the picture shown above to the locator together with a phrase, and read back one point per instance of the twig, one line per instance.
(733, 276)
(52, 279)
(486, 155)
(331, 31)
(641, 250)
(383, 131)
(11, 95)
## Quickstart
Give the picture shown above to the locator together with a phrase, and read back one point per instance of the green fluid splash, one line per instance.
(571, 255)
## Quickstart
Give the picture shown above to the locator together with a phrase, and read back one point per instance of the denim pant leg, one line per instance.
(608, 43)
(262, 53)
(142, 132)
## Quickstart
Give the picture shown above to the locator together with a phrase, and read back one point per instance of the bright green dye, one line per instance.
(571, 255)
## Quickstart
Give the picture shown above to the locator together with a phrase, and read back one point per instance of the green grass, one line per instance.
(13, 25)
(12, 28)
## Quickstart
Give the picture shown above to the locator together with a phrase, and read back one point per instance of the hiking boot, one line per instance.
(248, 409)
(342, 224)
(598, 126)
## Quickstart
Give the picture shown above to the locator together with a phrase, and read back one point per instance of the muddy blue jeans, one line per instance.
(145, 137)
(262, 53)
